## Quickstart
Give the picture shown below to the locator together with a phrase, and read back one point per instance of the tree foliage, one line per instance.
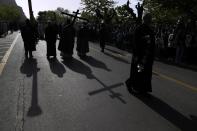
(122, 15)
(170, 10)
(91, 6)
(55, 16)
(9, 13)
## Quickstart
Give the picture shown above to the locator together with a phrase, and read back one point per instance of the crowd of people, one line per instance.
(176, 43)
(6, 27)
(50, 32)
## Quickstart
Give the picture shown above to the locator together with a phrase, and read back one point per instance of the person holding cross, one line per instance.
(143, 57)
(67, 39)
(82, 40)
(51, 33)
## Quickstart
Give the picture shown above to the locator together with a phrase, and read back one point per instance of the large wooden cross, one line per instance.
(75, 16)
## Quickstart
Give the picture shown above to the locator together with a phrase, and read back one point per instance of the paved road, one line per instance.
(90, 95)
(5, 44)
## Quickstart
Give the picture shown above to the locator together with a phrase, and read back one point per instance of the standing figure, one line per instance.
(103, 36)
(82, 40)
(67, 39)
(29, 38)
(143, 57)
(51, 32)
(180, 36)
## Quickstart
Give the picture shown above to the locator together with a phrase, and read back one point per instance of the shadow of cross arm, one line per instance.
(109, 88)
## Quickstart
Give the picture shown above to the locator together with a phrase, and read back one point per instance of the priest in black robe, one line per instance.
(67, 39)
(143, 57)
(82, 40)
(103, 36)
(29, 39)
(51, 33)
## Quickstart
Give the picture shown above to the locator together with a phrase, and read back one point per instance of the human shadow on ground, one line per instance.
(77, 66)
(56, 67)
(29, 67)
(95, 63)
(169, 113)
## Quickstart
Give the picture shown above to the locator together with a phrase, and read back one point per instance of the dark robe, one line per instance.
(82, 41)
(67, 40)
(29, 39)
(103, 36)
(51, 32)
(143, 53)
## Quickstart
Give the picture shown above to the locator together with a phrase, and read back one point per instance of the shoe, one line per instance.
(133, 91)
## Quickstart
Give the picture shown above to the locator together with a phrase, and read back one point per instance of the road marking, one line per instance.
(176, 81)
(193, 88)
(4, 45)
(6, 56)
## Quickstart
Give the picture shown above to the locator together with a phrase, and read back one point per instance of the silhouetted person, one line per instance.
(82, 40)
(67, 40)
(29, 40)
(51, 32)
(180, 36)
(143, 57)
(103, 36)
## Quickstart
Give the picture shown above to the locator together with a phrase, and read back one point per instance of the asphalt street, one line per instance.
(90, 94)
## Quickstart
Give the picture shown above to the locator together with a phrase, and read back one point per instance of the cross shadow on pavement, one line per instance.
(29, 67)
(56, 67)
(79, 67)
(168, 112)
(96, 63)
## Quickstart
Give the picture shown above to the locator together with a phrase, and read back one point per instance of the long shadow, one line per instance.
(96, 63)
(169, 113)
(56, 67)
(117, 58)
(77, 66)
(29, 67)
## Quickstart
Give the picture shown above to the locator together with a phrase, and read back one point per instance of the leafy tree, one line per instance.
(9, 13)
(97, 9)
(170, 10)
(56, 16)
(122, 15)
(91, 6)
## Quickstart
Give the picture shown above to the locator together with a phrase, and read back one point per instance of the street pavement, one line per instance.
(89, 94)
(5, 43)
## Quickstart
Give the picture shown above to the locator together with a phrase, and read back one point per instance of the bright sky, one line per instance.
(42, 5)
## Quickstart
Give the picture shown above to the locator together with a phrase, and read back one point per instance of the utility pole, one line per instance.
(31, 11)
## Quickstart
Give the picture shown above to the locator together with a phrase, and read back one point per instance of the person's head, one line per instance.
(147, 19)
(49, 22)
(27, 22)
(85, 24)
(180, 23)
